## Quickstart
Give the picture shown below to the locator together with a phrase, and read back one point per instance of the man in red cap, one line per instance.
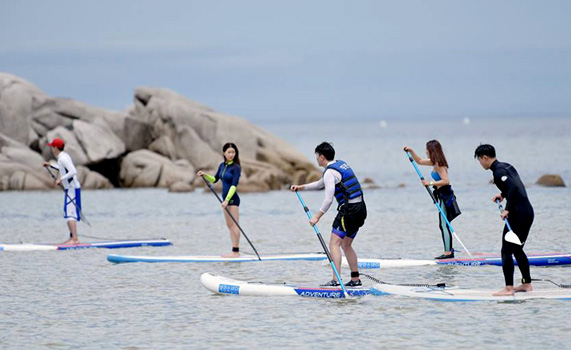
(68, 179)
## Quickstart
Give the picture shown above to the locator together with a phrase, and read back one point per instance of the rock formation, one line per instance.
(159, 142)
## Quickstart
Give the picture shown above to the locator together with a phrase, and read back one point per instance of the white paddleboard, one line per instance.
(461, 294)
(115, 258)
(25, 247)
(223, 285)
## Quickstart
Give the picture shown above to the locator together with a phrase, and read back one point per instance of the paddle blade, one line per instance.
(512, 238)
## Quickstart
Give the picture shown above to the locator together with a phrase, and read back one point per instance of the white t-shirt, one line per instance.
(328, 181)
(67, 171)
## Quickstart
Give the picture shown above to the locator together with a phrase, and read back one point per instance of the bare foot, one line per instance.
(231, 255)
(70, 242)
(508, 290)
(526, 287)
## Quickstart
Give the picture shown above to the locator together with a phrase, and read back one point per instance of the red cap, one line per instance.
(57, 143)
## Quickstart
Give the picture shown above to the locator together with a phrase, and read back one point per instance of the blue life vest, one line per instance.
(349, 187)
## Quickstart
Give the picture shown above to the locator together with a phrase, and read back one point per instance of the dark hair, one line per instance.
(485, 150)
(326, 149)
(436, 154)
(231, 145)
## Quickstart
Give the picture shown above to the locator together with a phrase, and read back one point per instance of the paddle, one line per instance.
(306, 209)
(436, 204)
(231, 217)
(81, 216)
(510, 235)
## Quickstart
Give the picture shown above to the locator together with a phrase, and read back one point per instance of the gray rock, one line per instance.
(198, 134)
(164, 146)
(72, 145)
(144, 168)
(17, 97)
(181, 187)
(98, 141)
(551, 180)
(92, 180)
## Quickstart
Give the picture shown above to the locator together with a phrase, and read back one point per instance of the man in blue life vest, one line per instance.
(339, 181)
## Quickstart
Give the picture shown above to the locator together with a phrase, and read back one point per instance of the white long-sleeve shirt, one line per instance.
(328, 181)
(68, 172)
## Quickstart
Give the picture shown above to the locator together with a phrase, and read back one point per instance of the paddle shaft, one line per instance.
(501, 210)
(231, 217)
(437, 205)
(306, 209)
(71, 200)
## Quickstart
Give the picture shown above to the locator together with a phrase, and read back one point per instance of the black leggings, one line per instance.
(520, 224)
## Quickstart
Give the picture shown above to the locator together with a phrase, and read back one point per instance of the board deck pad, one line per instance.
(462, 294)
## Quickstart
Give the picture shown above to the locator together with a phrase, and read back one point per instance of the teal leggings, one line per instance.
(444, 229)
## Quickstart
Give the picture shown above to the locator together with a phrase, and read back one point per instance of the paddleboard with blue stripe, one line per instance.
(107, 244)
(549, 259)
(223, 285)
(462, 294)
(117, 259)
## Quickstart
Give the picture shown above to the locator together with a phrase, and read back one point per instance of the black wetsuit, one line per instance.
(520, 218)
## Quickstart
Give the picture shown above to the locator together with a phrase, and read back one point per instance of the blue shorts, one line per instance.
(349, 220)
(72, 204)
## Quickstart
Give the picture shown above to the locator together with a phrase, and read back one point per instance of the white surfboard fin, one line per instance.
(512, 238)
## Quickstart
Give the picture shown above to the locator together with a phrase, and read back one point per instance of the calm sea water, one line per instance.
(76, 299)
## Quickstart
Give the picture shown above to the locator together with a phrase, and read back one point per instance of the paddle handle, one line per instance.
(232, 217)
(501, 208)
(308, 213)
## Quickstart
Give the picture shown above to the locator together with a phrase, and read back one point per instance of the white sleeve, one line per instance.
(329, 181)
(314, 186)
(68, 164)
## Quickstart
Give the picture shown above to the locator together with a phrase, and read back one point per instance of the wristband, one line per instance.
(431, 183)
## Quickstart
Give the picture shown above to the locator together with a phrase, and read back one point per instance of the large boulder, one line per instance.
(17, 98)
(90, 134)
(18, 176)
(92, 180)
(22, 169)
(551, 180)
(184, 129)
(144, 168)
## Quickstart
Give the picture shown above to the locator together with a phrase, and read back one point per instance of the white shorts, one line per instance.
(72, 204)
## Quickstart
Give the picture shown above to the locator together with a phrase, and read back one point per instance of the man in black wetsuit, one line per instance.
(520, 215)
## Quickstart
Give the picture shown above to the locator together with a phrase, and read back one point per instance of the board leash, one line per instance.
(550, 281)
(376, 280)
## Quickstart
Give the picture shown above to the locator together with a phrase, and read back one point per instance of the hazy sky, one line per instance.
(269, 60)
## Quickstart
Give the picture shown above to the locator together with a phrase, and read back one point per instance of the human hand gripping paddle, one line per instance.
(510, 235)
(81, 216)
(436, 204)
(231, 217)
(306, 209)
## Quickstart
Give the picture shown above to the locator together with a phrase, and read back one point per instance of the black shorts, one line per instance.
(349, 219)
